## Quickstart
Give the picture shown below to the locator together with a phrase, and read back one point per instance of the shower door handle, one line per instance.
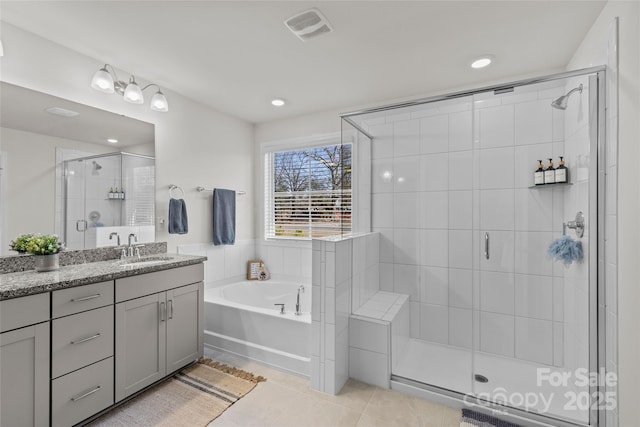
(486, 245)
(84, 223)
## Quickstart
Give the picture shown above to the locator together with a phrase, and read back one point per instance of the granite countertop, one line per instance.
(19, 284)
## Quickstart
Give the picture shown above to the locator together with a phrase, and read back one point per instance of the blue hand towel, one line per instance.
(224, 217)
(566, 249)
(178, 223)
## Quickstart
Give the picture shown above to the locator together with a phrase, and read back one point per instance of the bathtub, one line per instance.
(241, 318)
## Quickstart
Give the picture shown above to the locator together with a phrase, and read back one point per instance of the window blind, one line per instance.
(308, 192)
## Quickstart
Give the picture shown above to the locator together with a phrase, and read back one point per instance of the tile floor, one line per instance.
(288, 400)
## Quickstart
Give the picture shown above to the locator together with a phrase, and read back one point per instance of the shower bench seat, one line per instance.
(377, 330)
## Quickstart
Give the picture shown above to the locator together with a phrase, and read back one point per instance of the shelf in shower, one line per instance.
(561, 184)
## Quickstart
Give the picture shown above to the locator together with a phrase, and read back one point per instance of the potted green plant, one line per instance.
(20, 243)
(46, 249)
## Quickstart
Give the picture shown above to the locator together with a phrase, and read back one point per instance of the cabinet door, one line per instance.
(183, 310)
(140, 343)
(24, 376)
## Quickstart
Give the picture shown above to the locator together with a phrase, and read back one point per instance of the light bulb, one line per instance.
(133, 93)
(102, 81)
(159, 102)
(277, 102)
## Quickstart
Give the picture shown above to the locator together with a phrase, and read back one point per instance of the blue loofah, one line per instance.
(566, 249)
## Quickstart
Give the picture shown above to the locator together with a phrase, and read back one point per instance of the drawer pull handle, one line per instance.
(163, 312)
(85, 394)
(86, 339)
(170, 309)
(86, 298)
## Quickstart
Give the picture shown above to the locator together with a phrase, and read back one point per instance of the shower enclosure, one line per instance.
(494, 320)
(108, 193)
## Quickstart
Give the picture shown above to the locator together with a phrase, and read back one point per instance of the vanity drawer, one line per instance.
(82, 393)
(81, 339)
(24, 311)
(159, 281)
(81, 298)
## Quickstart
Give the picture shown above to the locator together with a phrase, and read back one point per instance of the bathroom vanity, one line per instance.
(77, 341)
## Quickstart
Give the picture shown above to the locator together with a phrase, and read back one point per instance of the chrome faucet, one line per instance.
(115, 234)
(130, 247)
(300, 289)
(281, 308)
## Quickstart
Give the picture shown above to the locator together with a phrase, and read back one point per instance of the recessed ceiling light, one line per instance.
(481, 62)
(112, 140)
(277, 102)
(58, 111)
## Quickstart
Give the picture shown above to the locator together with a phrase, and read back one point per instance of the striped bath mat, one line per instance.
(194, 396)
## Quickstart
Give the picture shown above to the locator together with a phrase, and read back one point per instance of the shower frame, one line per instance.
(597, 318)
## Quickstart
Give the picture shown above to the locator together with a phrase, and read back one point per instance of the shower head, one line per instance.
(561, 103)
(96, 166)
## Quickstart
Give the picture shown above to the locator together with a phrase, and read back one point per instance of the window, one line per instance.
(308, 192)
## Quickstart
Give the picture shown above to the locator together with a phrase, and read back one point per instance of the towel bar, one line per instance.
(239, 193)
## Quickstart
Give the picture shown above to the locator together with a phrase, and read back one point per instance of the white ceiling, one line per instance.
(235, 56)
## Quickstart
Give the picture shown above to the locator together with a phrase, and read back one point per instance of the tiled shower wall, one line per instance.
(342, 267)
(424, 207)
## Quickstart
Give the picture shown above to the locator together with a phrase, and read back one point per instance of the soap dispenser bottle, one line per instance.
(550, 173)
(562, 173)
(538, 175)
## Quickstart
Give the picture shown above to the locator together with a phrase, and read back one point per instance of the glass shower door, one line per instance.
(75, 217)
(89, 198)
(531, 312)
(427, 247)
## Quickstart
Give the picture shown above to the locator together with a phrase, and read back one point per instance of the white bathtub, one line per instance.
(241, 318)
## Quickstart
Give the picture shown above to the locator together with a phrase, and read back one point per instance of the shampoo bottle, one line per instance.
(550, 173)
(538, 175)
(562, 173)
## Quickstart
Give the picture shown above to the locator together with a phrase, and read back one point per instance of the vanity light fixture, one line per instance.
(481, 62)
(277, 102)
(106, 80)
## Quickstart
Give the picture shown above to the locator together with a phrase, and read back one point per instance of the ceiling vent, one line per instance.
(308, 24)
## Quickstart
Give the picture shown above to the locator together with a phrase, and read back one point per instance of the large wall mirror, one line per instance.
(61, 171)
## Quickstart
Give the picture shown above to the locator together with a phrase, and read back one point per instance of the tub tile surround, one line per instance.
(285, 260)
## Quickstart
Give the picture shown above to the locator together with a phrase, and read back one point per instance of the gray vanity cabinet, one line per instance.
(81, 352)
(24, 361)
(159, 332)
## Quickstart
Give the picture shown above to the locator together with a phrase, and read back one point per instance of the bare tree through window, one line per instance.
(312, 191)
